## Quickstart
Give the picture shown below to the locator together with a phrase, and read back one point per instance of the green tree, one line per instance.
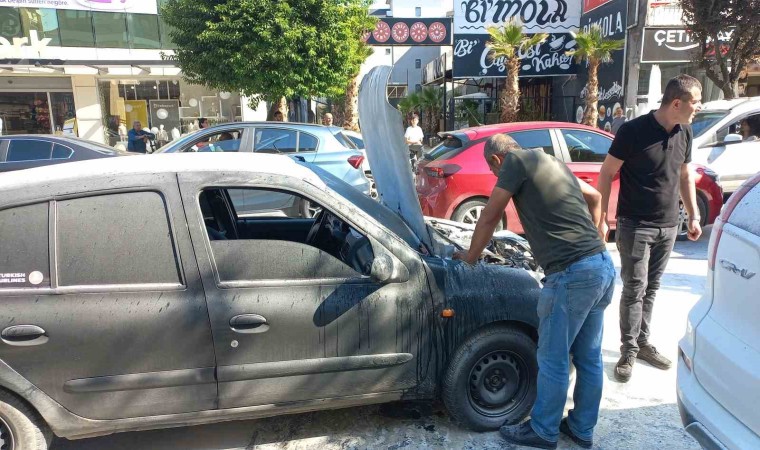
(734, 26)
(409, 104)
(507, 42)
(270, 49)
(592, 47)
(431, 99)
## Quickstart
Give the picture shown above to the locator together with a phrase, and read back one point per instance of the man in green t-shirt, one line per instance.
(559, 214)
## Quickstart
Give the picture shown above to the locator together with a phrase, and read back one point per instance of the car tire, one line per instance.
(469, 212)
(472, 391)
(21, 427)
(683, 227)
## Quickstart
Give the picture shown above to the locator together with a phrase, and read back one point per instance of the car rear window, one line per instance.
(345, 140)
(450, 147)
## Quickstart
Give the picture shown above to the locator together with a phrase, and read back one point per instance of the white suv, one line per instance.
(719, 363)
(718, 144)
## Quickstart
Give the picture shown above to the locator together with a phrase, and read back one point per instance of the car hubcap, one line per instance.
(6, 436)
(683, 226)
(498, 383)
(472, 215)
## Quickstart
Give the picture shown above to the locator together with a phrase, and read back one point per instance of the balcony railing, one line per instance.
(664, 14)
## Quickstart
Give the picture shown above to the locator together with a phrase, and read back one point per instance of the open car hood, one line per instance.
(388, 153)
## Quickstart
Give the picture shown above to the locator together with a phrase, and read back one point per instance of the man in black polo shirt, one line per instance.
(652, 153)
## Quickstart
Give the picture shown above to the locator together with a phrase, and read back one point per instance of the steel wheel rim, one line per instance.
(497, 383)
(6, 436)
(472, 215)
(683, 217)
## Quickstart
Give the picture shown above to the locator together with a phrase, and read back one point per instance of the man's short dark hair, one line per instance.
(679, 88)
(415, 116)
(500, 145)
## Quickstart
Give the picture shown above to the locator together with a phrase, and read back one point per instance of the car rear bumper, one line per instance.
(706, 420)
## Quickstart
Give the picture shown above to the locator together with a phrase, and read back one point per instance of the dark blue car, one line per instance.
(27, 151)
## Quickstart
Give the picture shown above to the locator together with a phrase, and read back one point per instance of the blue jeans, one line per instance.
(571, 314)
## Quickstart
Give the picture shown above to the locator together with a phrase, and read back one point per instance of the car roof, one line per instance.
(158, 164)
(731, 104)
(484, 131)
(272, 124)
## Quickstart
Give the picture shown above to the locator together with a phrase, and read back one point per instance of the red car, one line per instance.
(454, 182)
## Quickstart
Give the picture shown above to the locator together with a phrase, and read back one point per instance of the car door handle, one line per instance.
(24, 335)
(249, 323)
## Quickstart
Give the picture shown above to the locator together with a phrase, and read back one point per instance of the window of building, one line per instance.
(25, 260)
(417, 88)
(387, 51)
(417, 12)
(164, 29)
(585, 146)
(144, 31)
(115, 239)
(76, 28)
(273, 237)
(534, 139)
(25, 113)
(44, 22)
(10, 24)
(417, 63)
(110, 29)
(28, 150)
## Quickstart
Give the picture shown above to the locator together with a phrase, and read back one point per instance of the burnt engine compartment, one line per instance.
(506, 248)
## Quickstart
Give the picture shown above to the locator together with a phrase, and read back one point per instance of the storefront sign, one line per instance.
(588, 5)
(611, 17)
(473, 58)
(24, 47)
(475, 16)
(390, 32)
(164, 115)
(130, 6)
(676, 45)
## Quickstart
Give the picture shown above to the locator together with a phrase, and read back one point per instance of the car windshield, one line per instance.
(383, 215)
(704, 120)
(449, 148)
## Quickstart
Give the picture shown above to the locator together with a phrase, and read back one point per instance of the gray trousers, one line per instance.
(644, 253)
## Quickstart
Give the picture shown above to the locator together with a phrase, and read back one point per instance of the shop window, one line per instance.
(10, 23)
(110, 29)
(91, 230)
(44, 22)
(24, 112)
(144, 31)
(24, 261)
(28, 150)
(62, 108)
(76, 28)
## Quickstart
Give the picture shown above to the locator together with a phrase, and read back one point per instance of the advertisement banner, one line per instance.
(473, 59)
(611, 17)
(676, 45)
(164, 115)
(391, 32)
(124, 6)
(537, 16)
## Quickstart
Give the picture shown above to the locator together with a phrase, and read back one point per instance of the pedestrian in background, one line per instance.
(414, 137)
(203, 123)
(652, 153)
(137, 138)
(278, 117)
(618, 120)
(327, 119)
(559, 213)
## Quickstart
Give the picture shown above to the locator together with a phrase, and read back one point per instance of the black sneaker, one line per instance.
(650, 354)
(564, 428)
(624, 367)
(523, 434)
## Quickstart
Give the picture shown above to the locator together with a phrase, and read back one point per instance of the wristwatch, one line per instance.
(697, 218)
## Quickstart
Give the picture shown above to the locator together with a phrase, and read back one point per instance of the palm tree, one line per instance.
(506, 42)
(409, 104)
(592, 47)
(431, 99)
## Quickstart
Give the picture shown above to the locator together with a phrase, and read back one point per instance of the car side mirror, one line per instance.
(382, 269)
(732, 139)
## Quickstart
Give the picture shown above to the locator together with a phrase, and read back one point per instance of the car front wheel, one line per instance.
(491, 379)
(21, 428)
(469, 213)
(683, 218)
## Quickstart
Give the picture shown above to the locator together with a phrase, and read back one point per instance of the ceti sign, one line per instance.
(676, 45)
(124, 6)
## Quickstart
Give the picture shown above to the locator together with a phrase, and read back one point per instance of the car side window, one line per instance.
(24, 254)
(224, 141)
(307, 143)
(62, 152)
(275, 140)
(586, 146)
(28, 150)
(267, 234)
(115, 239)
(534, 139)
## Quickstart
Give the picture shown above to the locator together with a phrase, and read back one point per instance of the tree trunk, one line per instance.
(351, 106)
(282, 106)
(509, 101)
(591, 114)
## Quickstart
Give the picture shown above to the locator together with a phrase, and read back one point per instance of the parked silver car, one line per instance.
(326, 147)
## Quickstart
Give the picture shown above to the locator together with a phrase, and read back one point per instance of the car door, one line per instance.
(105, 312)
(735, 162)
(291, 321)
(584, 153)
